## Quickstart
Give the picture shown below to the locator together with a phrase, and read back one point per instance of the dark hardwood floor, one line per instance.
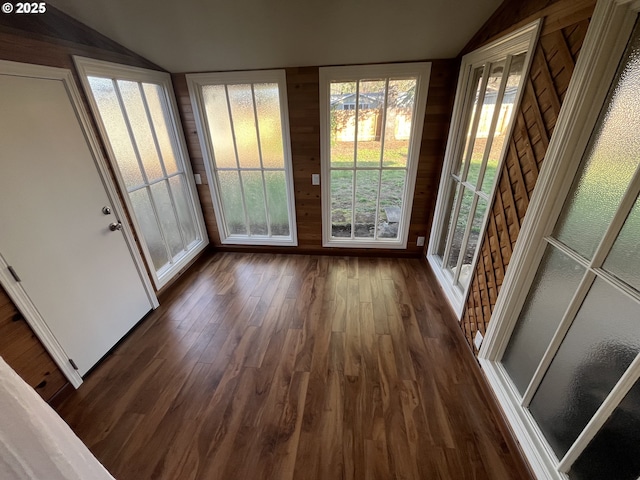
(279, 367)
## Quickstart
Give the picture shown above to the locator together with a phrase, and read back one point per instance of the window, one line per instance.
(242, 121)
(488, 92)
(371, 126)
(135, 111)
(562, 352)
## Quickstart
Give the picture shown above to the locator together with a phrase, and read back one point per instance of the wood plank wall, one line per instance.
(50, 39)
(304, 117)
(564, 28)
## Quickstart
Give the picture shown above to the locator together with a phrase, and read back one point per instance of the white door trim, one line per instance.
(13, 288)
(604, 44)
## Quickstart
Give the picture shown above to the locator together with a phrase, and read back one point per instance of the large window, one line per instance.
(489, 87)
(562, 352)
(242, 121)
(135, 110)
(371, 126)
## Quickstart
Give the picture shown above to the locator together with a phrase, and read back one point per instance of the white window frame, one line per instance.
(522, 40)
(605, 42)
(422, 72)
(195, 83)
(90, 67)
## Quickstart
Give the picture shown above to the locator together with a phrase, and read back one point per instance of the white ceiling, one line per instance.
(213, 35)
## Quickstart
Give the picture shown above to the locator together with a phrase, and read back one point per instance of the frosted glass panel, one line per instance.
(167, 217)
(134, 106)
(400, 102)
(181, 199)
(614, 453)
(459, 228)
(341, 202)
(474, 238)
(270, 125)
(473, 111)
(232, 204)
(370, 107)
(555, 283)
(343, 123)
(244, 125)
(154, 95)
(611, 159)
(391, 195)
(624, 258)
(255, 202)
(277, 200)
(149, 226)
(366, 200)
(601, 343)
(215, 103)
(486, 116)
(504, 120)
(119, 139)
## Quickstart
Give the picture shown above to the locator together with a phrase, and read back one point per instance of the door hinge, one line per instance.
(14, 274)
(73, 364)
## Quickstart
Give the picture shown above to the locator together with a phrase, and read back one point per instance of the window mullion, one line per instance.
(132, 138)
(235, 149)
(475, 122)
(465, 238)
(162, 166)
(452, 228)
(145, 179)
(355, 164)
(606, 409)
(264, 183)
(618, 220)
(377, 219)
(558, 336)
(494, 120)
(383, 133)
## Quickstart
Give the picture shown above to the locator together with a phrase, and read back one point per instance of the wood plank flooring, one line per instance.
(294, 367)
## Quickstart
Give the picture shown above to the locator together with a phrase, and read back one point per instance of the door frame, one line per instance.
(605, 42)
(13, 288)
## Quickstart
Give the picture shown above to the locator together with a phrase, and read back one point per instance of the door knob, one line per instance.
(106, 210)
(115, 226)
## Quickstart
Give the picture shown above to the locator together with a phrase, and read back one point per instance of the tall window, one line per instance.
(489, 88)
(242, 121)
(371, 126)
(562, 352)
(135, 110)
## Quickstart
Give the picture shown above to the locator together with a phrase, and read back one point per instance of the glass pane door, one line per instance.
(134, 109)
(575, 350)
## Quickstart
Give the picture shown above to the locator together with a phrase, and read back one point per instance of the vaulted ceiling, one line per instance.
(218, 35)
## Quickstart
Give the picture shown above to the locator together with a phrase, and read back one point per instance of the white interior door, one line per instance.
(79, 275)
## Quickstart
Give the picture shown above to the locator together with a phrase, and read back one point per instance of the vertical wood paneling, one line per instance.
(51, 40)
(304, 119)
(553, 63)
